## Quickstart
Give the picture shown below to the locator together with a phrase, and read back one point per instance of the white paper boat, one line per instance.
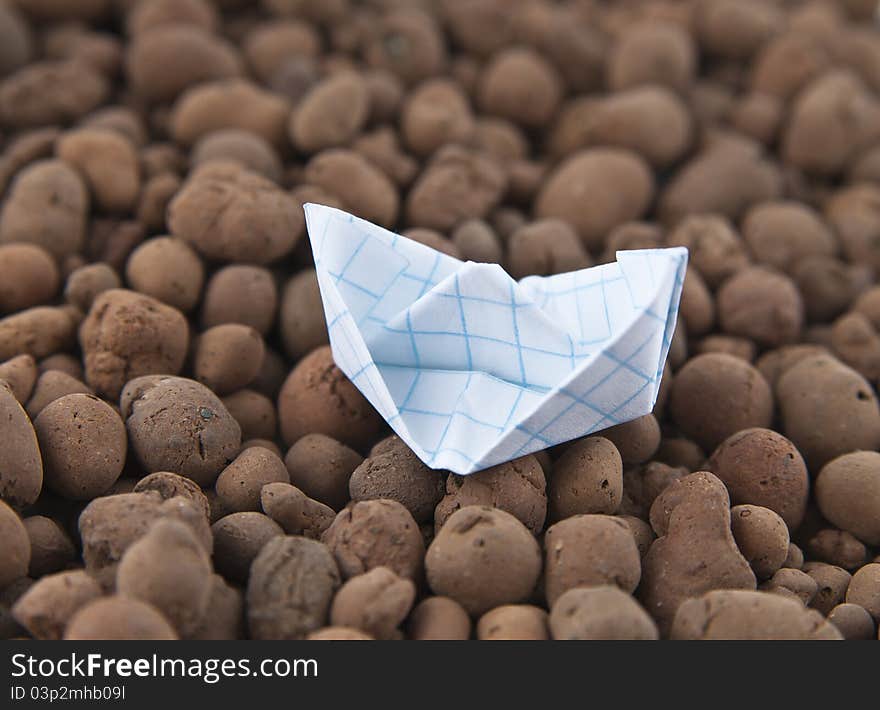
(472, 368)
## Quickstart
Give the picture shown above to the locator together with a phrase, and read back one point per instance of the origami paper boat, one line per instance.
(472, 368)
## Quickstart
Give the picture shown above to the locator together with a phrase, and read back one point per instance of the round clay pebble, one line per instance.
(51, 547)
(321, 467)
(642, 532)
(119, 618)
(837, 547)
(600, 613)
(476, 241)
(108, 162)
(28, 277)
(598, 172)
(223, 620)
(399, 475)
(127, 335)
(359, 185)
(228, 357)
(228, 213)
(793, 583)
(439, 619)
(168, 569)
(168, 270)
(175, 424)
(238, 539)
(52, 385)
(517, 487)
(732, 614)
(239, 484)
(279, 605)
(169, 485)
(331, 114)
(255, 414)
(47, 205)
(376, 533)
(246, 148)
(652, 52)
(715, 395)
(86, 283)
(781, 233)
(762, 538)
(520, 85)
(587, 478)
(301, 317)
(853, 622)
(544, 248)
(240, 294)
(16, 544)
(795, 558)
(636, 440)
(21, 465)
(831, 585)
(848, 494)
(761, 467)
(84, 445)
(483, 557)
(864, 589)
(375, 602)
(20, 374)
(513, 622)
(294, 511)
(761, 304)
(317, 398)
(589, 550)
(827, 409)
(435, 113)
(46, 608)
(716, 250)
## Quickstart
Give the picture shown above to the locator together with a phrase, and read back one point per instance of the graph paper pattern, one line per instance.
(472, 368)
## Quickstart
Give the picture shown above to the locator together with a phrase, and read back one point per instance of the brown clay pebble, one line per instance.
(321, 467)
(398, 474)
(762, 305)
(84, 444)
(294, 511)
(21, 466)
(20, 374)
(331, 114)
(589, 550)
(761, 536)
(864, 589)
(238, 539)
(168, 270)
(848, 494)
(636, 440)
(831, 585)
(17, 546)
(695, 550)
(837, 547)
(792, 583)
(86, 283)
(376, 533)
(483, 558)
(224, 618)
(239, 484)
(28, 277)
(337, 633)
(119, 618)
(255, 414)
(761, 467)
(240, 294)
(732, 614)
(52, 550)
(301, 316)
(587, 478)
(46, 608)
(513, 622)
(716, 395)
(439, 619)
(168, 569)
(827, 409)
(853, 622)
(544, 248)
(317, 398)
(169, 485)
(290, 589)
(516, 487)
(179, 425)
(375, 602)
(51, 385)
(228, 357)
(127, 335)
(600, 613)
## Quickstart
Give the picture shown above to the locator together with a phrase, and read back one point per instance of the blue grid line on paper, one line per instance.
(568, 353)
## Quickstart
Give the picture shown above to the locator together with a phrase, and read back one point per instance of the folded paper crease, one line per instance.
(472, 368)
